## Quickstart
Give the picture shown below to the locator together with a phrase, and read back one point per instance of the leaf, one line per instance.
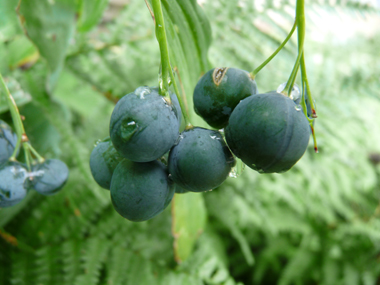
(9, 26)
(188, 222)
(90, 13)
(50, 25)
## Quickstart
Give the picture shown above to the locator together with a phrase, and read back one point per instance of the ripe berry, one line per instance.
(14, 183)
(268, 132)
(200, 161)
(144, 126)
(8, 140)
(219, 91)
(103, 161)
(140, 191)
(50, 176)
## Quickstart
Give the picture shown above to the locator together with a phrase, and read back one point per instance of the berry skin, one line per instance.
(50, 176)
(103, 161)
(14, 183)
(268, 132)
(143, 125)
(140, 191)
(219, 91)
(200, 161)
(8, 140)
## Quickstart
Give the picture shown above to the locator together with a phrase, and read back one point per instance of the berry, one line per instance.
(50, 176)
(140, 191)
(200, 161)
(219, 91)
(14, 183)
(144, 126)
(8, 140)
(268, 132)
(180, 190)
(103, 161)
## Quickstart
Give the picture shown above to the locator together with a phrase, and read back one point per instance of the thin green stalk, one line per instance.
(257, 70)
(19, 127)
(16, 118)
(301, 27)
(165, 60)
(305, 85)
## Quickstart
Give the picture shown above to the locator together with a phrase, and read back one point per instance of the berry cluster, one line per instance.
(267, 131)
(16, 179)
(133, 161)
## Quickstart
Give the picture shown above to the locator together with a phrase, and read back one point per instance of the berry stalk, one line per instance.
(165, 59)
(261, 66)
(19, 127)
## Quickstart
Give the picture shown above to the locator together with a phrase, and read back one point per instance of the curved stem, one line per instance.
(301, 27)
(257, 70)
(19, 127)
(166, 69)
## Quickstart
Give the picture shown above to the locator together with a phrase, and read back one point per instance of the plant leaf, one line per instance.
(50, 25)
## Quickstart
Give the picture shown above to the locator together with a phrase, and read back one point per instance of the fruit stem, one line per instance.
(301, 24)
(306, 89)
(17, 122)
(257, 70)
(165, 60)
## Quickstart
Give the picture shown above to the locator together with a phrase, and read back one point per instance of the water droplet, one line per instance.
(295, 95)
(159, 25)
(238, 169)
(97, 142)
(215, 137)
(298, 107)
(127, 129)
(142, 91)
(180, 137)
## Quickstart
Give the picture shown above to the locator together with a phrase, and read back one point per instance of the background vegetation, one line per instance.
(316, 224)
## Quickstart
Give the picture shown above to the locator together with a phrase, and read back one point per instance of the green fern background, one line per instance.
(319, 223)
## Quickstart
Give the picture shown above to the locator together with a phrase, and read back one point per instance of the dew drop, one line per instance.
(298, 107)
(295, 95)
(128, 129)
(237, 170)
(142, 91)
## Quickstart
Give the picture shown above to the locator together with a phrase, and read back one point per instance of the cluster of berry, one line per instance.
(16, 179)
(145, 159)
(267, 131)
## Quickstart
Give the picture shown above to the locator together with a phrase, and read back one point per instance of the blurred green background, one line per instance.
(319, 223)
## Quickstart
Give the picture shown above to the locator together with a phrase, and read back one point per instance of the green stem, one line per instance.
(301, 27)
(19, 127)
(165, 60)
(16, 118)
(305, 85)
(257, 70)
(35, 153)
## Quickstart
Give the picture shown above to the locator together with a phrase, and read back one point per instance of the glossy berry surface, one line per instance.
(14, 183)
(144, 126)
(200, 161)
(268, 132)
(103, 161)
(140, 191)
(8, 140)
(50, 176)
(219, 91)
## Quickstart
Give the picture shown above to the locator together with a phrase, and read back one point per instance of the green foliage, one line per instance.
(317, 223)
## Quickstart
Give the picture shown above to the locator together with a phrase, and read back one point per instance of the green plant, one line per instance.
(315, 224)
